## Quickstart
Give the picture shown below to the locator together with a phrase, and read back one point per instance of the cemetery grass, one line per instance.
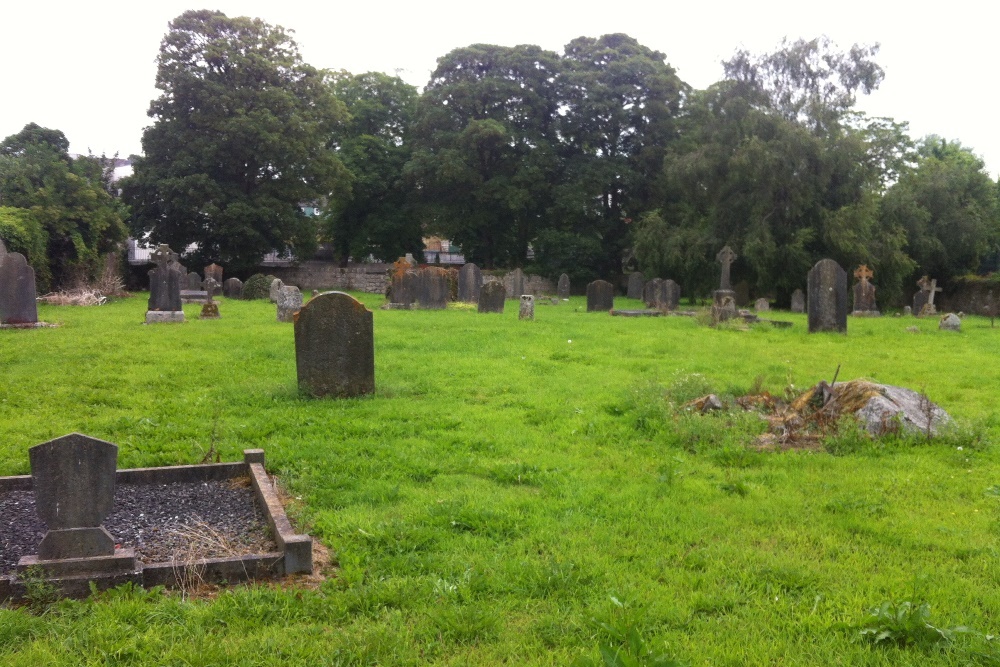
(531, 493)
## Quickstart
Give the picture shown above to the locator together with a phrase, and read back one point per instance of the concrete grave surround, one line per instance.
(18, 296)
(492, 297)
(289, 302)
(470, 281)
(600, 296)
(335, 347)
(636, 282)
(562, 290)
(827, 297)
(232, 288)
(527, 309)
(432, 289)
(798, 301)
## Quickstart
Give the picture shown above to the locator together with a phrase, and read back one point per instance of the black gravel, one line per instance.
(162, 522)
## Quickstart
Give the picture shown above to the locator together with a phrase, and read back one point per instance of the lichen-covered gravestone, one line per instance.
(562, 290)
(600, 296)
(470, 281)
(672, 294)
(165, 287)
(798, 301)
(527, 309)
(492, 297)
(432, 291)
(864, 293)
(335, 347)
(636, 281)
(289, 302)
(210, 311)
(403, 289)
(232, 288)
(827, 297)
(214, 271)
(762, 305)
(652, 293)
(18, 303)
(272, 291)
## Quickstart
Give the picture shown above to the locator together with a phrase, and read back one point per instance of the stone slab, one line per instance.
(164, 316)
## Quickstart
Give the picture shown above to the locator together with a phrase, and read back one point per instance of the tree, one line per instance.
(239, 141)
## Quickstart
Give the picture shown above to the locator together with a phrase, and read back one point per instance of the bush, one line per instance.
(257, 286)
(21, 232)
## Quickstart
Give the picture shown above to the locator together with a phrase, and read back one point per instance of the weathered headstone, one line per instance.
(827, 297)
(762, 305)
(636, 281)
(470, 281)
(723, 306)
(950, 322)
(672, 293)
(864, 293)
(335, 347)
(527, 309)
(289, 302)
(273, 290)
(798, 301)
(742, 292)
(600, 296)
(514, 282)
(562, 290)
(73, 479)
(725, 257)
(403, 289)
(232, 288)
(210, 311)
(214, 271)
(212, 287)
(432, 293)
(492, 297)
(923, 301)
(907, 310)
(652, 293)
(192, 281)
(164, 287)
(18, 304)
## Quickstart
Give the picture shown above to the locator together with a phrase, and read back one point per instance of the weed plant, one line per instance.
(509, 478)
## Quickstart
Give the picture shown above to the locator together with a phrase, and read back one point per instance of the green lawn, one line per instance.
(525, 492)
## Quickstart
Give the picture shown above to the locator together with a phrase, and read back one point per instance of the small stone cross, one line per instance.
(163, 256)
(929, 286)
(863, 273)
(725, 257)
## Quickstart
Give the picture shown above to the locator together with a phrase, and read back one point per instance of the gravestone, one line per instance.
(864, 293)
(73, 479)
(923, 301)
(562, 290)
(636, 282)
(164, 287)
(723, 307)
(210, 311)
(211, 287)
(470, 281)
(289, 302)
(335, 347)
(492, 297)
(192, 281)
(950, 322)
(907, 310)
(742, 292)
(18, 297)
(432, 293)
(652, 293)
(232, 288)
(672, 293)
(272, 292)
(600, 296)
(515, 281)
(726, 257)
(761, 305)
(798, 302)
(214, 271)
(527, 309)
(403, 289)
(827, 297)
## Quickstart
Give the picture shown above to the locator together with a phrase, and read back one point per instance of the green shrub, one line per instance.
(257, 286)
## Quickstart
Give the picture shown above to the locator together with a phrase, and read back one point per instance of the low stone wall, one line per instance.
(533, 284)
(372, 278)
(971, 298)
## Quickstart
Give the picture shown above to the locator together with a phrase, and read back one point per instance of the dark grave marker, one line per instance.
(562, 290)
(232, 288)
(18, 297)
(470, 281)
(192, 282)
(725, 293)
(432, 293)
(762, 305)
(672, 294)
(652, 293)
(636, 282)
(827, 297)
(864, 293)
(492, 297)
(165, 287)
(335, 347)
(600, 296)
(798, 301)
(923, 301)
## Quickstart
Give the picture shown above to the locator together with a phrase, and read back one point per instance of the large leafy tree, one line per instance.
(239, 140)
(58, 209)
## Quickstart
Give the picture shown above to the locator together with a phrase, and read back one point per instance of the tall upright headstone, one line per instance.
(652, 293)
(492, 297)
(289, 302)
(432, 293)
(335, 347)
(864, 292)
(165, 287)
(672, 294)
(470, 281)
(827, 297)
(404, 286)
(514, 282)
(798, 301)
(726, 257)
(192, 281)
(527, 309)
(18, 304)
(636, 281)
(600, 296)
(214, 271)
(562, 289)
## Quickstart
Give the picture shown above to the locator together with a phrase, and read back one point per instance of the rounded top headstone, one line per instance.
(73, 478)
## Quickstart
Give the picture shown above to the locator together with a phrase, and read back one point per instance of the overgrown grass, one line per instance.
(514, 486)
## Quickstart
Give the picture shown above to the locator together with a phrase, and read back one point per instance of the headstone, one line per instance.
(73, 479)
(470, 281)
(403, 290)
(864, 293)
(742, 292)
(600, 296)
(515, 284)
(723, 306)
(289, 302)
(232, 288)
(492, 297)
(725, 257)
(798, 302)
(211, 286)
(18, 304)
(652, 293)
(722, 296)
(272, 292)
(214, 271)
(192, 281)
(164, 287)
(432, 292)
(672, 293)
(210, 311)
(923, 301)
(761, 305)
(907, 310)
(335, 347)
(950, 322)
(527, 309)
(636, 281)
(827, 297)
(562, 290)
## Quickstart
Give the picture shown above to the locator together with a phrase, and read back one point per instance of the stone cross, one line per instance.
(725, 257)
(863, 273)
(163, 256)
(929, 286)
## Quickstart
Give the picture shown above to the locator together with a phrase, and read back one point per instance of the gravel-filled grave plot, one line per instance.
(181, 522)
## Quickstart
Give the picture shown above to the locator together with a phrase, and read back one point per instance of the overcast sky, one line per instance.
(88, 68)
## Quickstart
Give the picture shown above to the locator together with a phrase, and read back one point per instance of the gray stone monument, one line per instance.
(192, 281)
(923, 301)
(214, 271)
(335, 347)
(210, 311)
(724, 307)
(600, 296)
(562, 290)
(514, 282)
(403, 289)
(827, 297)
(211, 287)
(798, 301)
(864, 293)
(762, 305)
(272, 292)
(653, 294)
(636, 282)
(527, 309)
(432, 293)
(950, 322)
(672, 294)
(18, 297)
(164, 287)
(470, 281)
(492, 297)
(232, 288)
(726, 257)
(289, 302)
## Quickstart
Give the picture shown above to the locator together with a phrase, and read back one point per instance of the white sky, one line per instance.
(88, 68)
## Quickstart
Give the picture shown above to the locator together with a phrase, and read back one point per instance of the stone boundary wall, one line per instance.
(971, 298)
(533, 284)
(314, 274)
